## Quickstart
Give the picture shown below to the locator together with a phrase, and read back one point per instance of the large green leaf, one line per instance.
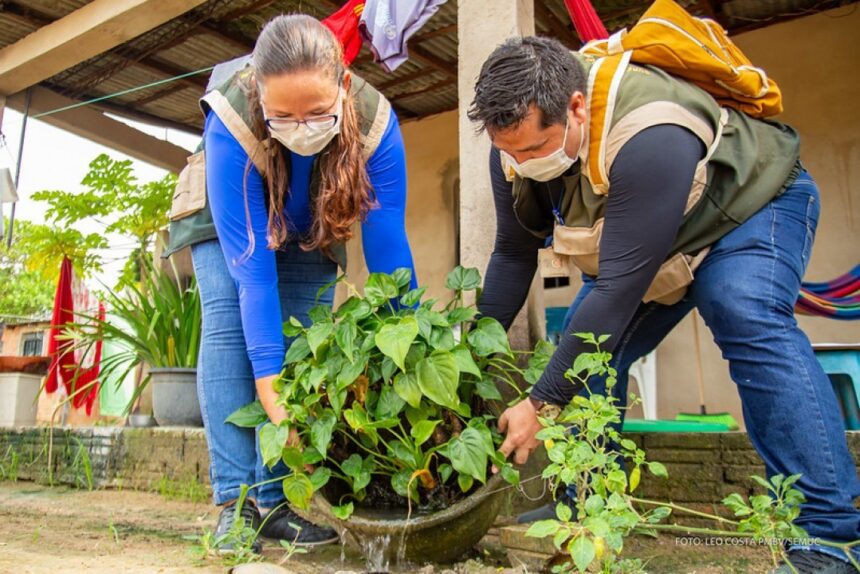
(394, 339)
(582, 551)
(412, 297)
(317, 335)
(321, 431)
(423, 430)
(250, 416)
(402, 278)
(345, 336)
(389, 404)
(406, 386)
(488, 390)
(380, 288)
(489, 337)
(293, 327)
(273, 439)
(297, 351)
(463, 279)
(442, 338)
(465, 362)
(359, 470)
(461, 314)
(354, 307)
(298, 490)
(468, 454)
(438, 378)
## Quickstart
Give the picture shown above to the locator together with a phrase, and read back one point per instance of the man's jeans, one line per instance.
(225, 381)
(745, 290)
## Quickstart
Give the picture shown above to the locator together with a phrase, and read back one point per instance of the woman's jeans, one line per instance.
(745, 290)
(225, 381)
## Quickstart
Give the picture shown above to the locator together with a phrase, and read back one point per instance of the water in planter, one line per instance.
(375, 552)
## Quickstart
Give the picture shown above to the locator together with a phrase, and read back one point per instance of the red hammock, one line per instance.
(585, 20)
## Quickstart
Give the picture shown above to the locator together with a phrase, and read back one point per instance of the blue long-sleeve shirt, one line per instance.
(383, 233)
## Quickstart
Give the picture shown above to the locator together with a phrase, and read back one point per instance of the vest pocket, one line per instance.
(673, 278)
(582, 244)
(190, 194)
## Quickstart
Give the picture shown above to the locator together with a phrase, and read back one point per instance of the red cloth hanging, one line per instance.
(344, 25)
(585, 20)
(64, 367)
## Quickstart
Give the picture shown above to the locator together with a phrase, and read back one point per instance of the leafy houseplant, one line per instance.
(391, 408)
(157, 323)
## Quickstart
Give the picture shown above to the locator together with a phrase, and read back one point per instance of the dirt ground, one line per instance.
(47, 530)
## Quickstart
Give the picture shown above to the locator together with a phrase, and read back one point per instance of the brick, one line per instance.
(682, 440)
(683, 472)
(735, 440)
(665, 455)
(741, 458)
(741, 474)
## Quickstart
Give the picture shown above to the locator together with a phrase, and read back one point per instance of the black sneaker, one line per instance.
(811, 562)
(545, 512)
(283, 523)
(227, 542)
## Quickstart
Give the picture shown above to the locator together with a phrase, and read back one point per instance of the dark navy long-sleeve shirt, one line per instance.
(650, 180)
(383, 233)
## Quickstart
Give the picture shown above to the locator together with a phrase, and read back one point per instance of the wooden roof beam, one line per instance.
(88, 31)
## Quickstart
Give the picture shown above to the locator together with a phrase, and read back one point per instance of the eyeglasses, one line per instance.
(315, 124)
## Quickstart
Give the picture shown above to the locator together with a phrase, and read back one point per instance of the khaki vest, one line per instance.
(748, 163)
(190, 217)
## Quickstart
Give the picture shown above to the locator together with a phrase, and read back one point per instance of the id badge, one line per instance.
(552, 264)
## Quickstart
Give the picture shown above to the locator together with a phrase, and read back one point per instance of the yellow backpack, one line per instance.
(695, 49)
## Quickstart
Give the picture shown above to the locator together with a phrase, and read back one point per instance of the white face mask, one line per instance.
(549, 166)
(306, 141)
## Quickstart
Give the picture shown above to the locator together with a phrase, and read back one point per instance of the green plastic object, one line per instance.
(643, 425)
(719, 418)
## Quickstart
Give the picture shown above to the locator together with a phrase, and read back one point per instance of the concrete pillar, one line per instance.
(480, 31)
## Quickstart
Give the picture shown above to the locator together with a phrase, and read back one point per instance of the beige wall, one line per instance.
(814, 60)
(432, 163)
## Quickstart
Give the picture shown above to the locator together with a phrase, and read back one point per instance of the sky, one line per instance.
(57, 159)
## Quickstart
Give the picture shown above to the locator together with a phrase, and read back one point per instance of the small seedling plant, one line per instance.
(585, 450)
(391, 396)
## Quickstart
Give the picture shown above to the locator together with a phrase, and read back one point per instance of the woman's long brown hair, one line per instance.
(292, 43)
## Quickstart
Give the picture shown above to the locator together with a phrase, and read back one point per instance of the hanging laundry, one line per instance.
(585, 20)
(75, 370)
(388, 24)
(344, 25)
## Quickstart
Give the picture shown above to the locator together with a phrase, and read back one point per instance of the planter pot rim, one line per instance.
(495, 485)
(178, 370)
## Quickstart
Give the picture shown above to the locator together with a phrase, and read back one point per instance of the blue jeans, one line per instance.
(225, 381)
(745, 290)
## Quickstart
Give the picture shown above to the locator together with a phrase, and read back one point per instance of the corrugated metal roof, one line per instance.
(219, 30)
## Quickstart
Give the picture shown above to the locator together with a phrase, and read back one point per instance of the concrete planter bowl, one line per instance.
(174, 397)
(442, 536)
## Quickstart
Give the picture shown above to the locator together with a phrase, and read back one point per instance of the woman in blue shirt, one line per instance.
(276, 237)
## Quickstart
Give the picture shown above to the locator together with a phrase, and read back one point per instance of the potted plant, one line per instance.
(20, 381)
(158, 325)
(396, 415)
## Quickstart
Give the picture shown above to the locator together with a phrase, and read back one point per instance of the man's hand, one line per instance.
(520, 425)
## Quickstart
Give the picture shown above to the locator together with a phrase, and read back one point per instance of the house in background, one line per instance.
(25, 338)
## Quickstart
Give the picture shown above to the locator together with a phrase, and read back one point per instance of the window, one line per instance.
(31, 344)
(555, 282)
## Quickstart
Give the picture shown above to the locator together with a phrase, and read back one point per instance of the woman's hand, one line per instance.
(277, 414)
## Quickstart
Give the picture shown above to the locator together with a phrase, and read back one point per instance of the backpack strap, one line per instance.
(604, 79)
(237, 127)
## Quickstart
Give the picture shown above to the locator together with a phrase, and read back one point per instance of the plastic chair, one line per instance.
(842, 364)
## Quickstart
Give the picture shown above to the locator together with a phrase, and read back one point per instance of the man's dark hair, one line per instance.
(521, 72)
